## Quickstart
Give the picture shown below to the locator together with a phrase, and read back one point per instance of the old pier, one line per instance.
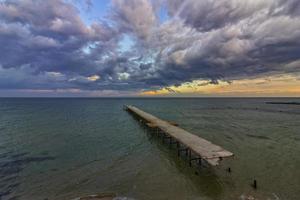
(195, 147)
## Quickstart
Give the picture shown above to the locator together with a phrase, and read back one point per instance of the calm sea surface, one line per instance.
(66, 148)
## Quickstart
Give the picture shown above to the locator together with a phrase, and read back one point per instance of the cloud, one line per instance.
(209, 14)
(47, 44)
(251, 41)
(50, 36)
(134, 16)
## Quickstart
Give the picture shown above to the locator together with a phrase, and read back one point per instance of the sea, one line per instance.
(66, 148)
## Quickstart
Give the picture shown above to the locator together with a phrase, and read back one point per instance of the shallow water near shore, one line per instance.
(68, 148)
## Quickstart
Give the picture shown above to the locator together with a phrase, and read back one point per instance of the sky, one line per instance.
(148, 48)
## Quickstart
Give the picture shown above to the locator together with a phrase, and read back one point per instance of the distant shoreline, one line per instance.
(284, 103)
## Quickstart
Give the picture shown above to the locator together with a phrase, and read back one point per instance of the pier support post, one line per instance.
(255, 184)
(183, 149)
(163, 137)
(199, 162)
(190, 157)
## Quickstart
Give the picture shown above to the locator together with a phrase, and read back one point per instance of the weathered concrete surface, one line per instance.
(203, 148)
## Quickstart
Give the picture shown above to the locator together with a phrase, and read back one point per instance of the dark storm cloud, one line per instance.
(134, 16)
(47, 45)
(228, 39)
(49, 36)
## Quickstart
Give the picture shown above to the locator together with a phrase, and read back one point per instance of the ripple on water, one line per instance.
(103, 196)
(10, 167)
(258, 136)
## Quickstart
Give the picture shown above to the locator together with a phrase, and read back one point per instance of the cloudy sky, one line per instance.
(150, 48)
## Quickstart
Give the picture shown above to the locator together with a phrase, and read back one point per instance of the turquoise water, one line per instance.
(66, 148)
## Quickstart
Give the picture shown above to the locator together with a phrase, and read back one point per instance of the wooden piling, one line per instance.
(195, 145)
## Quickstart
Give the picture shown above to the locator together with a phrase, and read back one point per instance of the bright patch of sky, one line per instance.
(97, 11)
(87, 49)
(163, 14)
(126, 43)
(94, 12)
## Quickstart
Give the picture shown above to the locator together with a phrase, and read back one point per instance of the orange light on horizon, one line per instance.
(286, 85)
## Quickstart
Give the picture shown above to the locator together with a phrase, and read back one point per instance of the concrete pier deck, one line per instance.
(194, 145)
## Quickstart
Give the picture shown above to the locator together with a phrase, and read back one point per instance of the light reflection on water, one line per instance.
(66, 148)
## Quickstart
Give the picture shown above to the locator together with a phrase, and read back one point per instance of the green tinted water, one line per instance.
(65, 148)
